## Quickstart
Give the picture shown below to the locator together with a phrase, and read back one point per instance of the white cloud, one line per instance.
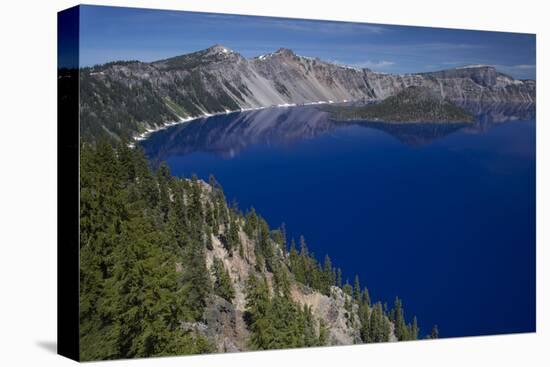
(521, 71)
(524, 66)
(378, 64)
(330, 27)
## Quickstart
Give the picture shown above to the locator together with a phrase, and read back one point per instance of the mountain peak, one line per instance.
(217, 48)
(285, 52)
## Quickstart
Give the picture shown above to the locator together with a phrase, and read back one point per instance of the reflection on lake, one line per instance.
(227, 135)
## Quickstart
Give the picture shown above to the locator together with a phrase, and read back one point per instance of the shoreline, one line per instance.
(166, 125)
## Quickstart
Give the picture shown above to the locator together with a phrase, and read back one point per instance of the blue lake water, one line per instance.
(442, 216)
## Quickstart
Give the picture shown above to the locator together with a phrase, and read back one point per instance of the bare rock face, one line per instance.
(122, 99)
(225, 324)
(226, 327)
(343, 326)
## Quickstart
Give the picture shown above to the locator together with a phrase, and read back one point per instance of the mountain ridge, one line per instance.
(121, 100)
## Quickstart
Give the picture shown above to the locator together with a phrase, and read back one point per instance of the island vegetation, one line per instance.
(411, 105)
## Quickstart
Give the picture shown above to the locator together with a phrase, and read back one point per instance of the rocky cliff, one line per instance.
(123, 99)
(225, 322)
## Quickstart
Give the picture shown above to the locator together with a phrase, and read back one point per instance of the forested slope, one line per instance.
(168, 267)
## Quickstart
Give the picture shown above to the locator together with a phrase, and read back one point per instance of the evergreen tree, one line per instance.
(147, 185)
(283, 237)
(414, 329)
(366, 297)
(379, 326)
(251, 223)
(146, 320)
(339, 278)
(323, 333)
(310, 337)
(328, 275)
(126, 163)
(281, 280)
(364, 318)
(197, 279)
(296, 265)
(223, 286)
(356, 289)
(398, 317)
(241, 250)
(304, 251)
(163, 175)
(435, 333)
(264, 246)
(347, 288)
(257, 308)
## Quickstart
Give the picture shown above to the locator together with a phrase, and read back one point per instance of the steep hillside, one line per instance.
(121, 100)
(167, 267)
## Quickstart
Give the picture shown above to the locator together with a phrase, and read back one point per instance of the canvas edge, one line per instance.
(68, 211)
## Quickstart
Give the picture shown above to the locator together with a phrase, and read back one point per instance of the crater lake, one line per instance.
(442, 215)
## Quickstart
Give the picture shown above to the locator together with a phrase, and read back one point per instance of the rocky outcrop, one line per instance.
(343, 327)
(224, 322)
(121, 99)
(226, 327)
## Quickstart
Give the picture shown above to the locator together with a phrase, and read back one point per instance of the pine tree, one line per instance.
(197, 279)
(347, 288)
(364, 318)
(296, 265)
(356, 289)
(283, 237)
(163, 175)
(328, 278)
(414, 329)
(232, 241)
(147, 185)
(223, 286)
(213, 183)
(264, 246)
(241, 250)
(207, 236)
(195, 209)
(323, 333)
(435, 333)
(145, 295)
(281, 280)
(401, 331)
(257, 308)
(304, 251)
(126, 163)
(379, 326)
(310, 337)
(251, 223)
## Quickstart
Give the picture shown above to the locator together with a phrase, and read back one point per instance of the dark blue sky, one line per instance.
(110, 33)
